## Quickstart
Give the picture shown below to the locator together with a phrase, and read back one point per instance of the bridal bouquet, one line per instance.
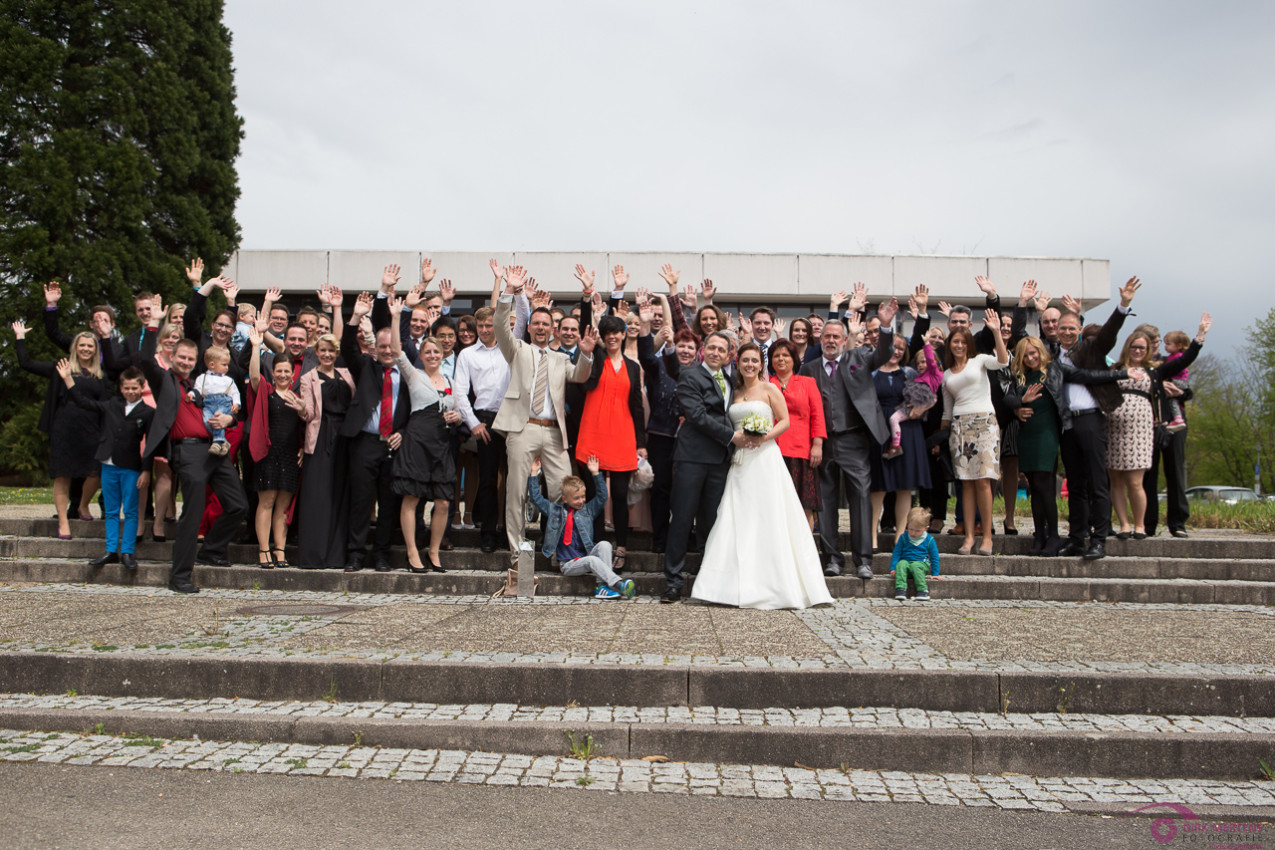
(755, 425)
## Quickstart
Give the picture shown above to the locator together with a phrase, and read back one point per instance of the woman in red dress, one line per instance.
(802, 444)
(613, 427)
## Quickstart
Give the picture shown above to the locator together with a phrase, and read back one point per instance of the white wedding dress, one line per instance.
(760, 553)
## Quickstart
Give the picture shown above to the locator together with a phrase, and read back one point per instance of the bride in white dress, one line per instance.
(760, 553)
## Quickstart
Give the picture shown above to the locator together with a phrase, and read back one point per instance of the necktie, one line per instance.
(568, 528)
(542, 385)
(721, 384)
(387, 403)
(830, 365)
(296, 373)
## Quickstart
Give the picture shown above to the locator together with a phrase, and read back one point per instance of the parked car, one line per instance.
(1225, 495)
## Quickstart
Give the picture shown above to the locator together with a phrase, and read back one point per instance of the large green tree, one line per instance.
(119, 135)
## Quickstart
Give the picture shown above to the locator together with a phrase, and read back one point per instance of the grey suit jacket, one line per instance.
(851, 388)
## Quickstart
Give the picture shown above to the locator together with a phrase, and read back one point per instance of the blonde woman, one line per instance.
(72, 430)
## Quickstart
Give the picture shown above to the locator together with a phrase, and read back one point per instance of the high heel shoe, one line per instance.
(268, 563)
(281, 560)
(436, 567)
(412, 568)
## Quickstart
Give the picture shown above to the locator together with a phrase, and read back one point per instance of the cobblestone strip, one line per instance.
(837, 717)
(857, 637)
(630, 776)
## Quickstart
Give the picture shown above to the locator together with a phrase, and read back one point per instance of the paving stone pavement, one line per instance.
(834, 717)
(1051, 794)
(852, 633)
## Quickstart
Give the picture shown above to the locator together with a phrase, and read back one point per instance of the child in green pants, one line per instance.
(915, 554)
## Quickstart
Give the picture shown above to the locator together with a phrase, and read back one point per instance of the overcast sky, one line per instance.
(1139, 132)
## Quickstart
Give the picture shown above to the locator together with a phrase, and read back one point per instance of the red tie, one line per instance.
(566, 532)
(296, 373)
(387, 403)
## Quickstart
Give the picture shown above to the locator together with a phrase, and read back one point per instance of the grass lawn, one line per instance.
(26, 495)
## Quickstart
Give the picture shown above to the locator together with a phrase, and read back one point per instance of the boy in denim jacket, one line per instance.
(569, 532)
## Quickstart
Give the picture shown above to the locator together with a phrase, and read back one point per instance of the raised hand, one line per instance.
(335, 296)
(642, 295)
(620, 277)
(273, 294)
(363, 304)
(688, 296)
(708, 290)
(595, 304)
(514, 278)
(389, 278)
(157, 308)
(646, 311)
(261, 326)
(670, 276)
(396, 305)
(539, 297)
(595, 465)
(858, 297)
(258, 334)
(1041, 301)
(101, 325)
(921, 295)
(780, 324)
(664, 337)
(585, 278)
(427, 271)
(1071, 304)
(836, 299)
(496, 268)
(195, 271)
(1130, 288)
(588, 340)
(19, 328)
(222, 283)
(414, 296)
(945, 308)
(64, 369)
(535, 467)
(992, 320)
(52, 292)
(446, 290)
(745, 326)
(1206, 322)
(622, 307)
(1033, 392)
(985, 284)
(887, 311)
(913, 310)
(1027, 293)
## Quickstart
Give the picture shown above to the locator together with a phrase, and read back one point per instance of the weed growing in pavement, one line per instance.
(72, 692)
(1062, 700)
(345, 765)
(132, 739)
(583, 750)
(229, 762)
(358, 739)
(296, 762)
(99, 728)
(330, 694)
(1267, 773)
(584, 781)
(256, 585)
(1004, 703)
(25, 748)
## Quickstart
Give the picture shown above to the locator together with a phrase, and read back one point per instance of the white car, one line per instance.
(1225, 495)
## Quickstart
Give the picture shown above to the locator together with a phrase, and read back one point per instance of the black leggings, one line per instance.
(1040, 485)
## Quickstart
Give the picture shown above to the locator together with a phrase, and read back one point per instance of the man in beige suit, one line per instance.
(533, 414)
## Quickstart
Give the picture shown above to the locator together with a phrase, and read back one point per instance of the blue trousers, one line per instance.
(119, 490)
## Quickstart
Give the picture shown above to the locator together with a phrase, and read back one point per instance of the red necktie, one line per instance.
(566, 532)
(296, 373)
(387, 403)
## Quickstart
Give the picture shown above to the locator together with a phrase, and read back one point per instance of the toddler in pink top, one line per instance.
(919, 395)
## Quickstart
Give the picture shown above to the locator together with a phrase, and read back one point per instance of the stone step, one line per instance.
(483, 582)
(147, 675)
(1111, 567)
(1118, 746)
(1199, 545)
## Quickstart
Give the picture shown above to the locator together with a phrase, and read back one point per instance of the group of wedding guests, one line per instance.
(399, 411)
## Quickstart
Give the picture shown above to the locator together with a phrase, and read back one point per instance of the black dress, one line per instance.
(423, 464)
(912, 468)
(323, 514)
(73, 431)
(278, 470)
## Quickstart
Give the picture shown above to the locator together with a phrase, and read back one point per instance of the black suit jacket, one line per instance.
(166, 388)
(1092, 354)
(368, 377)
(121, 434)
(706, 433)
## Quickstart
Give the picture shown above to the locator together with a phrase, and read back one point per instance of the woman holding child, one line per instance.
(903, 464)
(274, 441)
(760, 553)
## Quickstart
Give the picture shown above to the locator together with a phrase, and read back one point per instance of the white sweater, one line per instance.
(969, 390)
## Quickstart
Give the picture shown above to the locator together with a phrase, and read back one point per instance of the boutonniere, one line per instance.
(854, 367)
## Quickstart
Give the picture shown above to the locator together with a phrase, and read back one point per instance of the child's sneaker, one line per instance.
(217, 449)
(901, 595)
(627, 588)
(923, 596)
(1176, 424)
(604, 592)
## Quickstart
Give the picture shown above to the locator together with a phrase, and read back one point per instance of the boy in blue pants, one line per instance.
(124, 422)
(915, 554)
(568, 529)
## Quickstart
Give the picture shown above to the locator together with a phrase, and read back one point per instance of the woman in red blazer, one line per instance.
(802, 444)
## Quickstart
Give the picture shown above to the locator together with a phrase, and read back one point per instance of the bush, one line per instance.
(24, 448)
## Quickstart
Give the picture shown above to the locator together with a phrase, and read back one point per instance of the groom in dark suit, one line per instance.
(856, 426)
(701, 457)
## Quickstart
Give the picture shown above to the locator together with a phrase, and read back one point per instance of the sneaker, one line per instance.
(923, 596)
(604, 592)
(1178, 424)
(627, 588)
(901, 595)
